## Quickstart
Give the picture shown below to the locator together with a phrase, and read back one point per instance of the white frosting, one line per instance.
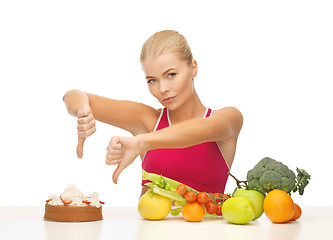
(72, 192)
(76, 196)
(55, 200)
(94, 200)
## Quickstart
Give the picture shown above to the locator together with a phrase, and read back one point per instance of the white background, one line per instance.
(270, 59)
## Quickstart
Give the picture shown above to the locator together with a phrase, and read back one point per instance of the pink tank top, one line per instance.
(202, 167)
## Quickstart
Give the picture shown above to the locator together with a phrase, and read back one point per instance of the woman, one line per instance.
(184, 141)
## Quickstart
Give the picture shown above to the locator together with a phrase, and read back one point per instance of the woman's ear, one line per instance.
(194, 68)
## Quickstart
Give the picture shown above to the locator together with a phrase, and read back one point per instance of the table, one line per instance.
(24, 222)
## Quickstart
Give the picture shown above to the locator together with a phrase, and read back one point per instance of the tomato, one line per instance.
(215, 197)
(211, 207)
(218, 210)
(202, 198)
(181, 189)
(225, 196)
(154, 207)
(190, 197)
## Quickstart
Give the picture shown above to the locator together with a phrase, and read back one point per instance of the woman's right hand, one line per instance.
(86, 127)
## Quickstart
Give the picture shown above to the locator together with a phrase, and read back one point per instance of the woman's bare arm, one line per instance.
(226, 123)
(131, 116)
(134, 117)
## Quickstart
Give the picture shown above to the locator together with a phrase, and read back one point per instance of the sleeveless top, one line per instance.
(202, 167)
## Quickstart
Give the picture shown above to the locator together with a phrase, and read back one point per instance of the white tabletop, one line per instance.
(126, 223)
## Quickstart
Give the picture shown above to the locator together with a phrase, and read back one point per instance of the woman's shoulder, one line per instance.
(232, 114)
(233, 111)
(150, 117)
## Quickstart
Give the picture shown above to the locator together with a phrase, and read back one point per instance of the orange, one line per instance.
(279, 206)
(193, 212)
(297, 214)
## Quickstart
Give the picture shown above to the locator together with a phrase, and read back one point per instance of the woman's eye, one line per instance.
(171, 75)
(151, 81)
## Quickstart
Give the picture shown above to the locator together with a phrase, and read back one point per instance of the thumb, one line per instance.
(117, 172)
(79, 148)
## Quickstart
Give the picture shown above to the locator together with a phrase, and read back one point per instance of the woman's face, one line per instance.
(170, 79)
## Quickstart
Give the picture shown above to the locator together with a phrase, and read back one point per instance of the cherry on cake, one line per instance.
(73, 206)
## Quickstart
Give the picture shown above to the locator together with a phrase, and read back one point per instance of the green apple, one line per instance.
(257, 198)
(238, 210)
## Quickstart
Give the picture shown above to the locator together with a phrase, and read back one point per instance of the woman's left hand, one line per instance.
(122, 151)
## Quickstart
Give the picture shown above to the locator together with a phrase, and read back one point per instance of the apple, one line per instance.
(257, 198)
(238, 210)
(154, 207)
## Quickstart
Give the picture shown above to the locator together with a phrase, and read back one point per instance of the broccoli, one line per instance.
(270, 174)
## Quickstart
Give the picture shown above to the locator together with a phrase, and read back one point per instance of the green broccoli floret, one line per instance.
(270, 174)
(302, 180)
(270, 180)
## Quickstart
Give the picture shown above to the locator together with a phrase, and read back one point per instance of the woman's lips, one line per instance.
(168, 99)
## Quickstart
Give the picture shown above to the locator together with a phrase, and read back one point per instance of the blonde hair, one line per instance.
(166, 41)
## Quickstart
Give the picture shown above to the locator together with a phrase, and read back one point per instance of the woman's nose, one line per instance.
(164, 86)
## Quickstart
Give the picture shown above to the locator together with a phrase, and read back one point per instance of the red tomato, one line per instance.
(225, 197)
(218, 210)
(211, 207)
(190, 197)
(202, 198)
(181, 189)
(216, 198)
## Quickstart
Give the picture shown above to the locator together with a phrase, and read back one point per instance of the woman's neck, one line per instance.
(192, 108)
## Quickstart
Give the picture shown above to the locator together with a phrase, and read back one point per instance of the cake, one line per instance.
(73, 206)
